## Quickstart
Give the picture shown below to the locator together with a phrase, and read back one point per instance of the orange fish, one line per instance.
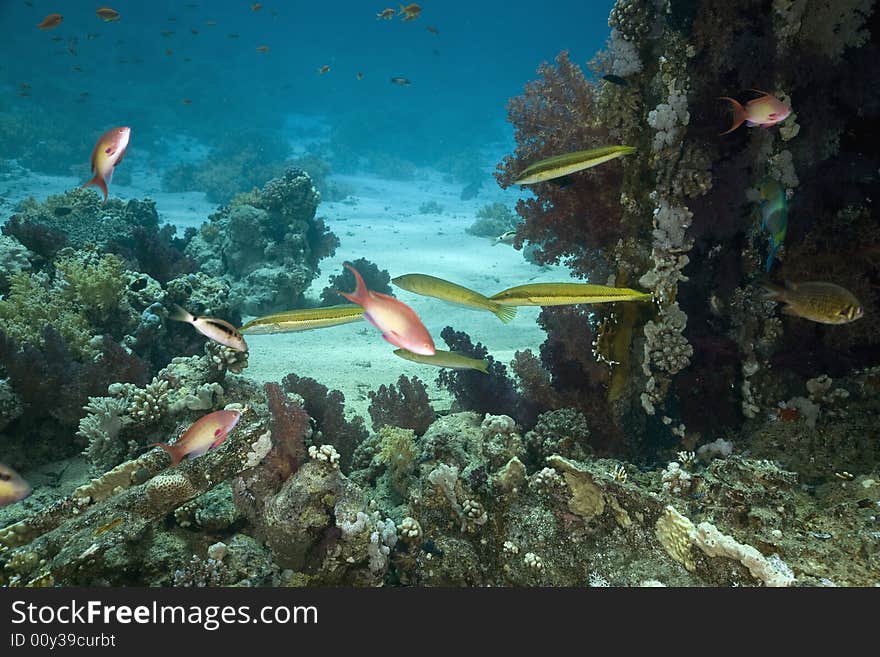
(324, 69)
(398, 322)
(256, 6)
(764, 111)
(108, 153)
(410, 12)
(51, 21)
(385, 15)
(262, 48)
(107, 14)
(207, 432)
(12, 487)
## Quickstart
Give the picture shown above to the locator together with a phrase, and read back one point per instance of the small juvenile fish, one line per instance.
(562, 165)
(305, 319)
(218, 330)
(324, 69)
(817, 301)
(167, 33)
(256, 6)
(403, 82)
(433, 30)
(208, 432)
(398, 322)
(12, 487)
(113, 524)
(563, 294)
(764, 111)
(448, 359)
(410, 12)
(615, 79)
(431, 286)
(774, 217)
(360, 76)
(107, 14)
(507, 237)
(262, 48)
(107, 154)
(51, 22)
(385, 15)
(187, 101)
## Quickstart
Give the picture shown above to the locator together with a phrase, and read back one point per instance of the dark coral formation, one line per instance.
(405, 405)
(266, 244)
(376, 280)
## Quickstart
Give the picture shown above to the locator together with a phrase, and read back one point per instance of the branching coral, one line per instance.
(327, 410)
(405, 406)
(475, 391)
(556, 115)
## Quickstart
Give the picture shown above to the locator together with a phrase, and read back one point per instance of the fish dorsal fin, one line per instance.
(763, 93)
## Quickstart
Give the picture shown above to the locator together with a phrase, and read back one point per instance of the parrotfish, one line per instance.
(219, 330)
(431, 286)
(305, 319)
(108, 153)
(12, 487)
(764, 111)
(398, 322)
(818, 301)
(774, 216)
(208, 432)
(562, 165)
(563, 294)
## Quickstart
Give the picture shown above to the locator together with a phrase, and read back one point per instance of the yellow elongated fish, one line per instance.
(431, 286)
(304, 319)
(443, 358)
(563, 294)
(562, 165)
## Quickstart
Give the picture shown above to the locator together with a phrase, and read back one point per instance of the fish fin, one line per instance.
(174, 453)
(361, 293)
(109, 177)
(178, 314)
(505, 313)
(788, 310)
(739, 114)
(770, 256)
(763, 93)
(98, 182)
(483, 367)
(389, 340)
(773, 291)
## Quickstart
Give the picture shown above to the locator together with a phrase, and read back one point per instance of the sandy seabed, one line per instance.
(379, 221)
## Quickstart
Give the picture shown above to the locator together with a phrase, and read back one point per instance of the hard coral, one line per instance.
(376, 280)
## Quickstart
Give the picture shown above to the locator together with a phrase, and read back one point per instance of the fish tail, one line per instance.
(98, 181)
(773, 291)
(175, 454)
(739, 115)
(483, 367)
(770, 257)
(178, 314)
(504, 313)
(360, 294)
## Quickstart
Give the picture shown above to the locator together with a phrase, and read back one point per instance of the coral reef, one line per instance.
(493, 220)
(376, 280)
(266, 244)
(405, 405)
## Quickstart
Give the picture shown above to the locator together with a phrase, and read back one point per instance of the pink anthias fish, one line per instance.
(107, 154)
(398, 322)
(12, 487)
(764, 111)
(207, 432)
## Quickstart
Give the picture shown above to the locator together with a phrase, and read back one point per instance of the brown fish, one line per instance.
(256, 6)
(51, 22)
(817, 301)
(410, 12)
(218, 330)
(107, 14)
(385, 14)
(324, 69)
(262, 48)
(401, 81)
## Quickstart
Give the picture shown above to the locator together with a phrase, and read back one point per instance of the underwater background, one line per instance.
(686, 392)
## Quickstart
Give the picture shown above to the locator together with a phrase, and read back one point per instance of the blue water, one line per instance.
(461, 78)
